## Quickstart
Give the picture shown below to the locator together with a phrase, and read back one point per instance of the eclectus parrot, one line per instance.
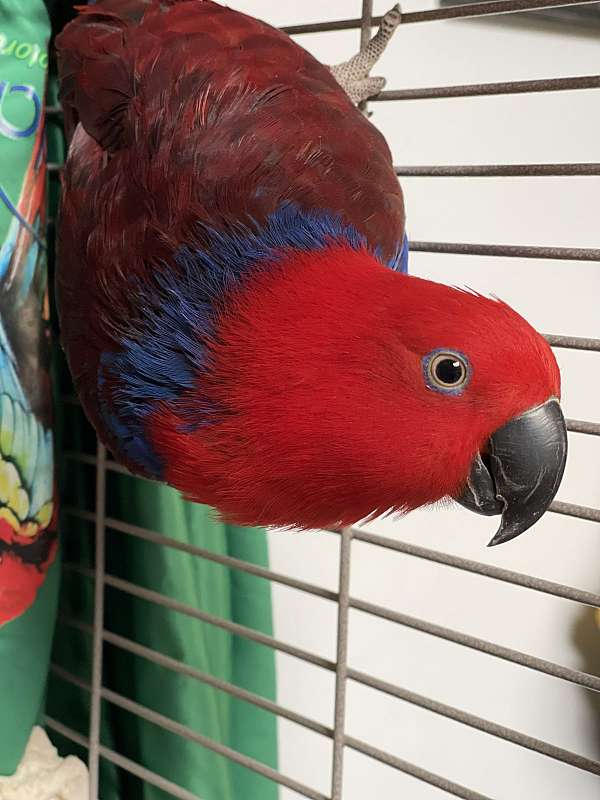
(232, 293)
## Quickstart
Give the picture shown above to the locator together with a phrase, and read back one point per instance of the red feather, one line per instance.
(190, 114)
(317, 364)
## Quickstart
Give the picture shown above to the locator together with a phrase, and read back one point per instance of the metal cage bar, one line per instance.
(489, 648)
(438, 14)
(489, 89)
(96, 703)
(497, 170)
(468, 565)
(127, 764)
(457, 715)
(340, 740)
(341, 672)
(508, 250)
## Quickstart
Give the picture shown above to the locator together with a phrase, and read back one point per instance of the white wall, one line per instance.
(557, 297)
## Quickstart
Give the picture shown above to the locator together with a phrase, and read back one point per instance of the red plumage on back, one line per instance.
(231, 320)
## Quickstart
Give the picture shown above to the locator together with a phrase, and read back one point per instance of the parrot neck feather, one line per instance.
(166, 359)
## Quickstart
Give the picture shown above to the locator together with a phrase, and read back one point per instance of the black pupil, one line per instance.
(449, 371)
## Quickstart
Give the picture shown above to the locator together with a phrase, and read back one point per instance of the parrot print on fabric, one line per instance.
(28, 539)
(232, 292)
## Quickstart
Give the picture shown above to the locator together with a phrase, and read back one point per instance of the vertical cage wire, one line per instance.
(98, 642)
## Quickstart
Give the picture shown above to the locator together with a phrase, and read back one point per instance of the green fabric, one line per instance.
(202, 584)
(194, 581)
(217, 590)
(25, 639)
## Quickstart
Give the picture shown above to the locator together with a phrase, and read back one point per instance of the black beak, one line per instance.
(521, 471)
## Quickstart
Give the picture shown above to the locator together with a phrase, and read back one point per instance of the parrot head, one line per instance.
(335, 389)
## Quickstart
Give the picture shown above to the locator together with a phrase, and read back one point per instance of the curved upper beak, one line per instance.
(521, 471)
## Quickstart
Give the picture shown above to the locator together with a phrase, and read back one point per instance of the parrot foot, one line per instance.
(353, 75)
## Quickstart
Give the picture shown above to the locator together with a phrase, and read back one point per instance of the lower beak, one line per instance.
(521, 471)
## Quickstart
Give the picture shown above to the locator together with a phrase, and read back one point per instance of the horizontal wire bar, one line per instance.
(77, 569)
(122, 762)
(497, 170)
(463, 11)
(187, 733)
(583, 426)
(486, 726)
(233, 627)
(190, 735)
(573, 342)
(174, 605)
(72, 622)
(573, 510)
(577, 677)
(548, 667)
(86, 458)
(479, 723)
(410, 769)
(224, 686)
(457, 715)
(65, 731)
(488, 89)
(70, 677)
(184, 732)
(78, 513)
(148, 776)
(523, 659)
(434, 706)
(479, 568)
(227, 561)
(508, 251)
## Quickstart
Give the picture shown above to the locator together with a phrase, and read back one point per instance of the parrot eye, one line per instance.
(446, 371)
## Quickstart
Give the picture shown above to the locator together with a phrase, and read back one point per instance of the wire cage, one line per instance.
(84, 454)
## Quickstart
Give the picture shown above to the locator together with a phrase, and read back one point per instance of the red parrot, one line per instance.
(231, 291)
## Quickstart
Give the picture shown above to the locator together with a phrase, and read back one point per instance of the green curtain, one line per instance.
(197, 582)
(230, 594)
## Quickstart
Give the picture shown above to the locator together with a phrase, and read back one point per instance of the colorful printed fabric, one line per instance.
(28, 536)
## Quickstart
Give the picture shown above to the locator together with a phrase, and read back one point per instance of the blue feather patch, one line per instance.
(400, 263)
(165, 358)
